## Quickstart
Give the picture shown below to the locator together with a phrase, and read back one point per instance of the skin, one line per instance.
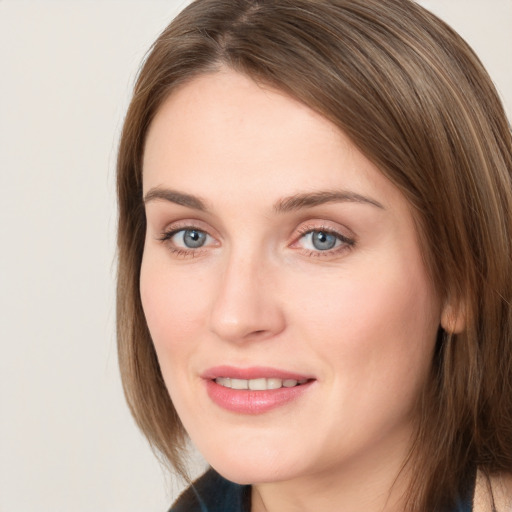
(359, 319)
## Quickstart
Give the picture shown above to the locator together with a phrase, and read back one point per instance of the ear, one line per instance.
(453, 317)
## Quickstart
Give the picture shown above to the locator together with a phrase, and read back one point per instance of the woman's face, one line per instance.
(278, 258)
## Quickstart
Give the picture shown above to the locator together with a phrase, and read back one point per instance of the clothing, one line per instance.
(213, 493)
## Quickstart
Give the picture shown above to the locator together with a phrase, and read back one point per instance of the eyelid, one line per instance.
(188, 223)
(327, 226)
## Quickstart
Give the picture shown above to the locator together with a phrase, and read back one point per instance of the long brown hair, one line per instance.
(415, 99)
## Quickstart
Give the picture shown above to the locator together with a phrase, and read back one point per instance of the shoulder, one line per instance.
(213, 493)
(493, 493)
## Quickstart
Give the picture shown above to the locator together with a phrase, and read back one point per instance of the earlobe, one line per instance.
(453, 318)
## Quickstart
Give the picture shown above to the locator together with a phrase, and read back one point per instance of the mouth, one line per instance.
(259, 384)
(254, 390)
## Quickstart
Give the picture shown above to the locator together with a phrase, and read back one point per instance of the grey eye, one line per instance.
(193, 239)
(323, 241)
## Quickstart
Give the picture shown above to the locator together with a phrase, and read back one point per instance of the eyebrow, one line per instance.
(286, 204)
(173, 196)
(308, 200)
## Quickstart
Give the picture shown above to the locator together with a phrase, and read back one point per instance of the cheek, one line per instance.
(174, 305)
(377, 325)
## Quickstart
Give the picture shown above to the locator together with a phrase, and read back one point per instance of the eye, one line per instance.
(190, 238)
(321, 240)
(316, 241)
(186, 239)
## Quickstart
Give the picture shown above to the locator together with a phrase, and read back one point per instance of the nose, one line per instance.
(247, 305)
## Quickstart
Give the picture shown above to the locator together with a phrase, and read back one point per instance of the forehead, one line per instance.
(222, 113)
(222, 135)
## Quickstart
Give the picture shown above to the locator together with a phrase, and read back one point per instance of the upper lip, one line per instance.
(253, 372)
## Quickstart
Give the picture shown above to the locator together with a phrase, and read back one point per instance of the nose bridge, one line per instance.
(246, 305)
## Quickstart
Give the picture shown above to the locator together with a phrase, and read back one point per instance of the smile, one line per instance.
(259, 384)
(255, 390)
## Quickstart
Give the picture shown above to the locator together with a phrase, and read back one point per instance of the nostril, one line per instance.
(261, 333)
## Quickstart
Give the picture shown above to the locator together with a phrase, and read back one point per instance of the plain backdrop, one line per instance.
(67, 441)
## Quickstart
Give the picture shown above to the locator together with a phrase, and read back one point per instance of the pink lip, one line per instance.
(254, 372)
(249, 401)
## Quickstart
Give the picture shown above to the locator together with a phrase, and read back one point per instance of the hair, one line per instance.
(414, 98)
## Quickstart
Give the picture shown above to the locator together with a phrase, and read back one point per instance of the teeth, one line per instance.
(239, 384)
(261, 384)
(274, 383)
(223, 382)
(257, 384)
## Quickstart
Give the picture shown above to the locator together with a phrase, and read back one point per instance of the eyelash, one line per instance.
(346, 242)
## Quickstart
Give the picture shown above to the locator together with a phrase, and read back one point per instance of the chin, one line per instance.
(263, 466)
(249, 474)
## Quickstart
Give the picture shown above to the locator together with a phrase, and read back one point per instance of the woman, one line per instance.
(315, 269)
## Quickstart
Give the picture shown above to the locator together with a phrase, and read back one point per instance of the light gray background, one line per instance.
(67, 441)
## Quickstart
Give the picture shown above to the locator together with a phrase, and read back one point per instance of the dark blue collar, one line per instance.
(213, 493)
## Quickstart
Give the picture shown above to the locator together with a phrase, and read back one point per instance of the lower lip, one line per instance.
(253, 402)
